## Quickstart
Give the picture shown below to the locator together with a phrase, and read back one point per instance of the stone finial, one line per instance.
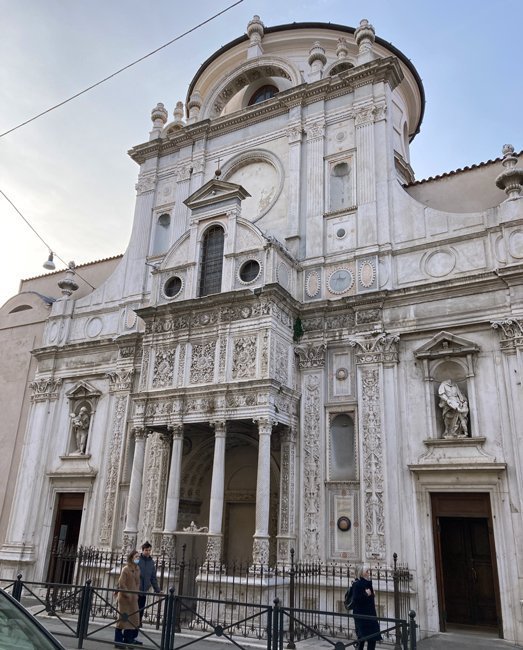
(255, 30)
(365, 36)
(317, 61)
(194, 104)
(68, 284)
(342, 49)
(159, 115)
(159, 118)
(317, 53)
(178, 114)
(510, 180)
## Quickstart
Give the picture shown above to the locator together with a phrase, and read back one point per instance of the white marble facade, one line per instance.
(302, 389)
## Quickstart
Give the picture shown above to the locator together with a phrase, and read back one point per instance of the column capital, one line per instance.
(290, 435)
(312, 355)
(139, 433)
(378, 347)
(510, 333)
(175, 430)
(219, 427)
(265, 424)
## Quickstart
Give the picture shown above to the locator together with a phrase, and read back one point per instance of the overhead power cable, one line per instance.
(130, 65)
(41, 238)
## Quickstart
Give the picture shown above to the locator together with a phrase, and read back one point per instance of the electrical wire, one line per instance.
(41, 238)
(130, 65)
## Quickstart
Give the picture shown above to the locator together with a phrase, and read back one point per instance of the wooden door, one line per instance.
(468, 592)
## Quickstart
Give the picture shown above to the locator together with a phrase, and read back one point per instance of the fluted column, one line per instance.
(214, 540)
(172, 502)
(260, 551)
(287, 514)
(135, 489)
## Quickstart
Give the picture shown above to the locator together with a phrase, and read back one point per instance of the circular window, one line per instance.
(172, 287)
(249, 271)
(340, 233)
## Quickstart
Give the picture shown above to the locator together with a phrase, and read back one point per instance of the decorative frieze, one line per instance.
(163, 368)
(281, 363)
(244, 358)
(202, 362)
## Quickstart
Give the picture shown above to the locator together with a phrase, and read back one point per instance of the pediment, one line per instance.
(446, 344)
(81, 390)
(216, 191)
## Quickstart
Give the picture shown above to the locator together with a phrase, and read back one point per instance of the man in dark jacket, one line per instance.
(147, 576)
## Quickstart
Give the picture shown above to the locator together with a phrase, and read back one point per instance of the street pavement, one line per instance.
(103, 636)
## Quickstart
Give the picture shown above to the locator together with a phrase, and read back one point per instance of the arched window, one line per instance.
(342, 463)
(340, 190)
(263, 93)
(161, 234)
(212, 261)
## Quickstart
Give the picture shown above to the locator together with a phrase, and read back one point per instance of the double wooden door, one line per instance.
(468, 591)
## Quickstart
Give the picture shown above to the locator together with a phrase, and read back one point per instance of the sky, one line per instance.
(68, 172)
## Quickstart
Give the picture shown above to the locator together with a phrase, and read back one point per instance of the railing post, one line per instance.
(412, 630)
(291, 645)
(169, 620)
(276, 634)
(17, 588)
(395, 582)
(83, 614)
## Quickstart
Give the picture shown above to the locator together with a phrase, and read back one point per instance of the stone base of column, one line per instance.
(213, 554)
(129, 541)
(260, 551)
(169, 544)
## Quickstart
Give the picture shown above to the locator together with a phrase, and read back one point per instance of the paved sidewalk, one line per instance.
(104, 635)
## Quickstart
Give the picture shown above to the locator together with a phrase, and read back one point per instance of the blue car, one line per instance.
(20, 630)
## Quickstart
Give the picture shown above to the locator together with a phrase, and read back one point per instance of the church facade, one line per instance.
(302, 347)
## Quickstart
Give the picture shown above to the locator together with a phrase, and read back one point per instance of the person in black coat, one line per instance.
(363, 599)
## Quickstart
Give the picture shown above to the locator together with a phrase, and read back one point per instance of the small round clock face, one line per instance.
(340, 281)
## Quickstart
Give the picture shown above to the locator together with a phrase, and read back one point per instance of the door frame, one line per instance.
(462, 505)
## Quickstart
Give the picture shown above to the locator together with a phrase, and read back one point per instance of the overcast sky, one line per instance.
(68, 172)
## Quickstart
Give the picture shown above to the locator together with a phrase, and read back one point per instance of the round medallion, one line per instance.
(312, 284)
(282, 274)
(367, 274)
(340, 281)
(249, 271)
(172, 287)
(342, 374)
(344, 524)
(93, 327)
(440, 263)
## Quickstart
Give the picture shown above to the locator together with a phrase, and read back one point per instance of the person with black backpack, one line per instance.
(363, 603)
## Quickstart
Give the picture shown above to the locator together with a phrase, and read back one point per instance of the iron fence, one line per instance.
(313, 587)
(275, 625)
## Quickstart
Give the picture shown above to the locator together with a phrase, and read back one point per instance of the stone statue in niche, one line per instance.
(454, 409)
(80, 426)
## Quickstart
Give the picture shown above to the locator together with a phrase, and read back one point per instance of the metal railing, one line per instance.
(314, 587)
(77, 609)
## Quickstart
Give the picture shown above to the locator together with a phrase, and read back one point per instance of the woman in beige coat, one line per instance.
(127, 603)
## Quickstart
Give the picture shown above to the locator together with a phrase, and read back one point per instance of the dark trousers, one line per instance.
(124, 636)
(370, 644)
(141, 606)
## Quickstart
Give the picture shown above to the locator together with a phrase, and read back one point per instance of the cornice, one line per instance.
(381, 70)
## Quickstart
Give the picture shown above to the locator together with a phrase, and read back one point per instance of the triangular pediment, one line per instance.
(83, 390)
(216, 191)
(446, 344)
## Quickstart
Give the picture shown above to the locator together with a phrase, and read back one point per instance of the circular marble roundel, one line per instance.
(260, 173)
(440, 263)
(94, 327)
